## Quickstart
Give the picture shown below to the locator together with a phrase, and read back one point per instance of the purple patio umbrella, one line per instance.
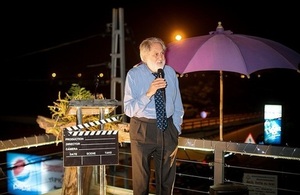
(224, 51)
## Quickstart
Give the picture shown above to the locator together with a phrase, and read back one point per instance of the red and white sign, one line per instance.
(250, 139)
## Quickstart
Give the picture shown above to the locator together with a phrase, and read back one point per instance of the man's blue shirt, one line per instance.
(137, 104)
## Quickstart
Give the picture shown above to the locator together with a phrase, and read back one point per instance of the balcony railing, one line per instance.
(201, 164)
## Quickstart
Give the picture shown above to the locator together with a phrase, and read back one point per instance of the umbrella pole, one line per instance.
(221, 106)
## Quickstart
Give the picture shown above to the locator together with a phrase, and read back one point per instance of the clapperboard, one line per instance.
(85, 148)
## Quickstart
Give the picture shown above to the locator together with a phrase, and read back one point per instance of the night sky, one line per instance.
(44, 37)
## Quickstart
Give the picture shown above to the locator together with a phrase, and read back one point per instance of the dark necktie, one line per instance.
(160, 107)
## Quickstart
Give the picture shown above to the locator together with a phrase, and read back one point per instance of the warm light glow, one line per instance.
(79, 75)
(101, 75)
(53, 75)
(178, 37)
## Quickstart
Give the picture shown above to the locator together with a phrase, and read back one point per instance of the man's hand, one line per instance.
(157, 83)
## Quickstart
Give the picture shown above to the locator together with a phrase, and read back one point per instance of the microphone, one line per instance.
(161, 74)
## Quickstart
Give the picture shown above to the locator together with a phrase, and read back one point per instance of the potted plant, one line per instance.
(60, 119)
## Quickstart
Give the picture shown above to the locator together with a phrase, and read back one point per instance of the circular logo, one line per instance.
(20, 171)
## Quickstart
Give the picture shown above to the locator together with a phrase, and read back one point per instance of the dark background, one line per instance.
(38, 38)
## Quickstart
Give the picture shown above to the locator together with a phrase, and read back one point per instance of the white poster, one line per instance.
(261, 184)
(52, 175)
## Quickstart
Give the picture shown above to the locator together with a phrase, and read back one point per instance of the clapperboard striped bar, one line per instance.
(93, 123)
(92, 133)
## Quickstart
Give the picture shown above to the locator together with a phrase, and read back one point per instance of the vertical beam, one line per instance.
(79, 169)
(118, 57)
(102, 169)
(219, 162)
(221, 106)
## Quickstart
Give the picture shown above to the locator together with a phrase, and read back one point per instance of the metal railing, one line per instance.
(205, 163)
(202, 164)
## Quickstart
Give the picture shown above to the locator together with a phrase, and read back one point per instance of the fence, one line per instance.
(201, 164)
